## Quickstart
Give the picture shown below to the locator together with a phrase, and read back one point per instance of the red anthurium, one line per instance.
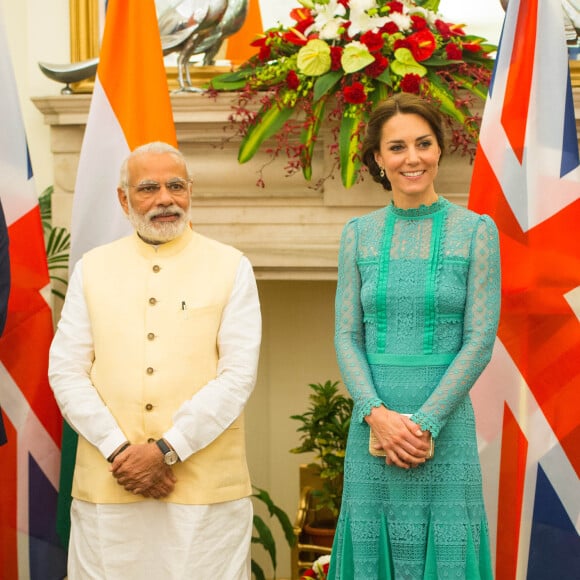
(411, 83)
(422, 44)
(354, 93)
(373, 41)
(449, 30)
(303, 17)
(471, 46)
(395, 6)
(453, 51)
(419, 23)
(294, 36)
(377, 67)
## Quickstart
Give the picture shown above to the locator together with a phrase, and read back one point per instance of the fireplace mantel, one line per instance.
(288, 229)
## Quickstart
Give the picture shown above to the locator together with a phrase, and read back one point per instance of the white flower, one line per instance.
(328, 19)
(318, 564)
(403, 21)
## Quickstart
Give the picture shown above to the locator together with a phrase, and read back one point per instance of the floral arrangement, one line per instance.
(337, 61)
(319, 569)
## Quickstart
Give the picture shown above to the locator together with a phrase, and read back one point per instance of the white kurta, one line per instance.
(153, 539)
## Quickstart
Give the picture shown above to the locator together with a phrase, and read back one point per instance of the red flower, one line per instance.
(421, 44)
(303, 17)
(402, 43)
(335, 56)
(419, 23)
(411, 83)
(373, 41)
(448, 30)
(294, 36)
(377, 67)
(395, 6)
(354, 93)
(292, 80)
(308, 574)
(264, 46)
(471, 46)
(390, 28)
(453, 51)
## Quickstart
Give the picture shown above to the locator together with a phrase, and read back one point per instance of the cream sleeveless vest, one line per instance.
(155, 313)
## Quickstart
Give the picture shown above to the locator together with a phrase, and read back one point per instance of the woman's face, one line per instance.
(409, 154)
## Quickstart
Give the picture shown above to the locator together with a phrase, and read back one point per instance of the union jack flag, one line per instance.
(29, 462)
(527, 177)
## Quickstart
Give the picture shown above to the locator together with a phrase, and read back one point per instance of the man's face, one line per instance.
(158, 196)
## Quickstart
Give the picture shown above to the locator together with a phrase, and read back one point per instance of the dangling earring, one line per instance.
(382, 173)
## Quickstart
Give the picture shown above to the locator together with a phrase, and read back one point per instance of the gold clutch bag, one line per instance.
(381, 452)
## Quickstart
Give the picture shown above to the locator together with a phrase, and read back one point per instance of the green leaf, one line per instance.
(270, 120)
(257, 571)
(308, 137)
(265, 538)
(348, 144)
(234, 80)
(467, 83)
(445, 98)
(325, 83)
(278, 513)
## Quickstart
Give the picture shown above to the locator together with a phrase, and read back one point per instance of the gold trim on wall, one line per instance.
(84, 29)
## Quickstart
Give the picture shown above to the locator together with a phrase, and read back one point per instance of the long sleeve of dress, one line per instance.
(479, 330)
(349, 328)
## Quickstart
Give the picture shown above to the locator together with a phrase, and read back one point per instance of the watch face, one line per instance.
(170, 458)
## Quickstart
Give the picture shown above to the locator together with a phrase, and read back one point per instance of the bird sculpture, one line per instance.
(187, 27)
(216, 19)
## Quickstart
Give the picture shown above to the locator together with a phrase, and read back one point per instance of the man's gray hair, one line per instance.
(153, 147)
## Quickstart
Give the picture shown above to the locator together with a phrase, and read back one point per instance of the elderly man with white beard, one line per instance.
(153, 361)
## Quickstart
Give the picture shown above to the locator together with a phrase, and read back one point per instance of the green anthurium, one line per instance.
(348, 142)
(270, 120)
(445, 98)
(308, 137)
(405, 64)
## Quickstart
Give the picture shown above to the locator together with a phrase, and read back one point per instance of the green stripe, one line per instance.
(383, 276)
(428, 336)
(411, 360)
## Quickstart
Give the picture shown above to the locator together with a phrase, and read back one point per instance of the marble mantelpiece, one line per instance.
(289, 229)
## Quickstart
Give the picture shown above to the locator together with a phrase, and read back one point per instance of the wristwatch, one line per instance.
(169, 456)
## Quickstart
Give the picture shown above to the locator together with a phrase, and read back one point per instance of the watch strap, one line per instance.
(165, 449)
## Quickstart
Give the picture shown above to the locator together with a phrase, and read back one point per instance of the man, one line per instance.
(153, 361)
(4, 291)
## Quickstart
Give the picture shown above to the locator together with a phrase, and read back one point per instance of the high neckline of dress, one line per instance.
(421, 211)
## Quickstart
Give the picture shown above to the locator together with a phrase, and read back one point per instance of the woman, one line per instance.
(417, 309)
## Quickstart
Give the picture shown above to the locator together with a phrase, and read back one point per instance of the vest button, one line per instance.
(150, 336)
(156, 268)
(150, 370)
(152, 301)
(149, 407)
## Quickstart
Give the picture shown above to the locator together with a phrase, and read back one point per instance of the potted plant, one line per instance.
(323, 431)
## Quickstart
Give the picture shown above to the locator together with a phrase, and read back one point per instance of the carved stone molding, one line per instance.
(289, 229)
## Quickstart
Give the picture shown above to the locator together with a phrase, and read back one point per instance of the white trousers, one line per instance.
(153, 540)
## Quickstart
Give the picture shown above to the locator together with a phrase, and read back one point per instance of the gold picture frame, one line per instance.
(85, 26)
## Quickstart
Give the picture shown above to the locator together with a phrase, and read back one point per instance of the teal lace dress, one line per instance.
(417, 310)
